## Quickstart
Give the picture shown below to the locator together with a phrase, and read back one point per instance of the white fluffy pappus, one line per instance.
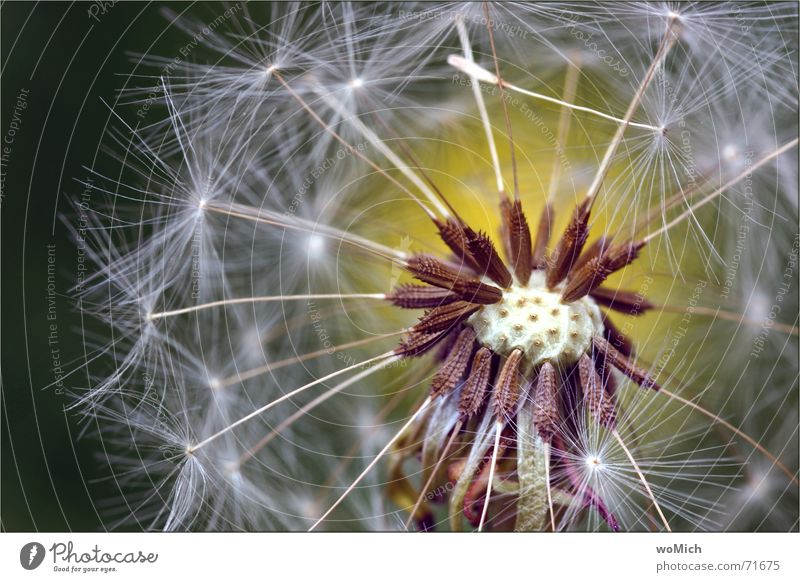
(248, 375)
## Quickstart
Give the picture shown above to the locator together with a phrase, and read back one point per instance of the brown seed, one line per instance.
(489, 261)
(420, 296)
(545, 402)
(506, 390)
(416, 343)
(610, 355)
(455, 365)
(585, 279)
(619, 256)
(626, 302)
(475, 291)
(452, 233)
(596, 248)
(518, 239)
(505, 215)
(607, 375)
(539, 259)
(595, 271)
(474, 390)
(445, 317)
(570, 245)
(444, 347)
(434, 272)
(599, 404)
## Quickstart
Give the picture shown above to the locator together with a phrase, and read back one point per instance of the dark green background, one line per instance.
(70, 64)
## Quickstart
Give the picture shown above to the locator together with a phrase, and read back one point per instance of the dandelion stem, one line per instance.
(498, 429)
(476, 91)
(642, 479)
(194, 448)
(355, 150)
(475, 71)
(264, 299)
(734, 430)
(502, 101)
(691, 210)
(605, 165)
(374, 461)
(570, 86)
(427, 485)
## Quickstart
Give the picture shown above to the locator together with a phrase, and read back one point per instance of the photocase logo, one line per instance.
(31, 555)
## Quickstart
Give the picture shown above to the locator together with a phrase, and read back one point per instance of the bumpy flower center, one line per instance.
(534, 319)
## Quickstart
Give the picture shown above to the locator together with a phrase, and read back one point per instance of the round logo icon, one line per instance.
(31, 555)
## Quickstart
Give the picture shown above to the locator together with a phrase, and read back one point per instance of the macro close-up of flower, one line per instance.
(459, 266)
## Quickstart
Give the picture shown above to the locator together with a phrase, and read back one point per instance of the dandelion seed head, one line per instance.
(534, 319)
(243, 202)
